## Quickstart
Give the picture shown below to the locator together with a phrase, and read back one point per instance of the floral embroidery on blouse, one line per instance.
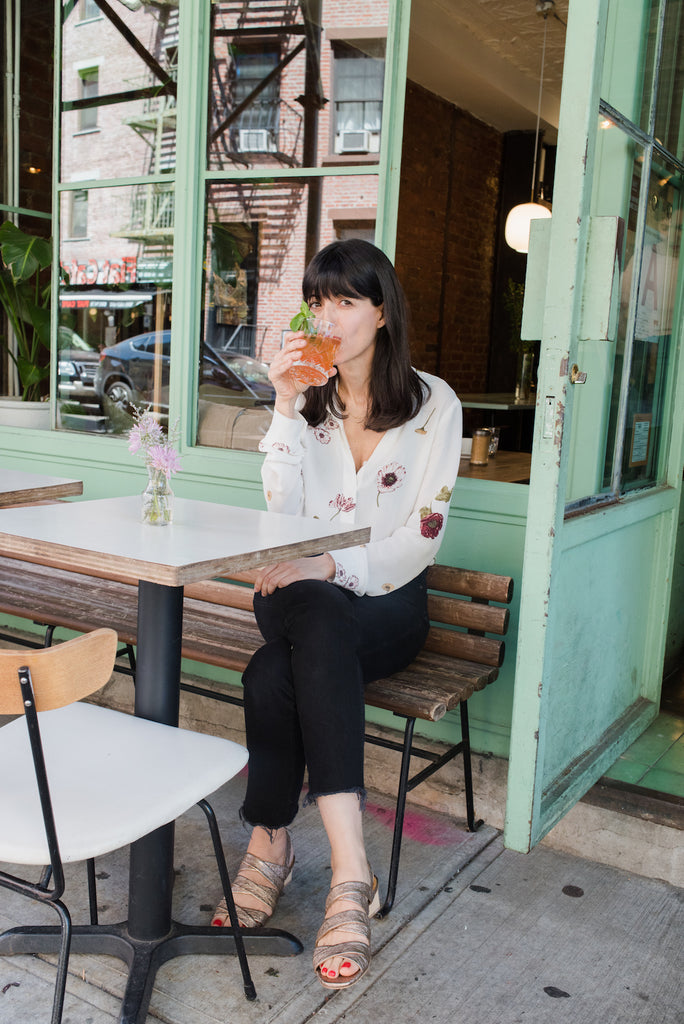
(322, 431)
(341, 578)
(431, 523)
(423, 430)
(342, 504)
(277, 446)
(390, 477)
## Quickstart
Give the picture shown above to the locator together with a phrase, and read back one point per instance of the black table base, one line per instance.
(145, 957)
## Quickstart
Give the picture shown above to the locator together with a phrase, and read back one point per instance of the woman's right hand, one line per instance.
(287, 388)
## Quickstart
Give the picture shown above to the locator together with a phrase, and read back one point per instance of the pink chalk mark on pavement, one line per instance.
(421, 828)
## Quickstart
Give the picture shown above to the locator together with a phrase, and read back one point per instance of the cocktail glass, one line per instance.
(317, 357)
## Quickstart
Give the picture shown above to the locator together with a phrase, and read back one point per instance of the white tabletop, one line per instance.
(205, 539)
(16, 486)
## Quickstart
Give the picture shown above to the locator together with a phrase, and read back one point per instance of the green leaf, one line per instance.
(298, 321)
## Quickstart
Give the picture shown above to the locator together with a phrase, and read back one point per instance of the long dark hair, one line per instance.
(354, 268)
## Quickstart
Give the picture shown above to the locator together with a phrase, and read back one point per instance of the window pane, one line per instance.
(620, 414)
(79, 214)
(89, 91)
(616, 194)
(259, 237)
(124, 84)
(626, 84)
(647, 387)
(259, 115)
(669, 110)
(358, 100)
(115, 306)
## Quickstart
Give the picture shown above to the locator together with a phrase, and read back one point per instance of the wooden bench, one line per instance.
(463, 652)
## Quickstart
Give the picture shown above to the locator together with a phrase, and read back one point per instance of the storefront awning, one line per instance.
(103, 300)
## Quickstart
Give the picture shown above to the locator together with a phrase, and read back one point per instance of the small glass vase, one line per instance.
(523, 386)
(157, 499)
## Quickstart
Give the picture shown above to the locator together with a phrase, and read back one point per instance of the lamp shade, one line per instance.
(517, 230)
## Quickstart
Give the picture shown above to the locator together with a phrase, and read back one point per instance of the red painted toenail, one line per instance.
(346, 964)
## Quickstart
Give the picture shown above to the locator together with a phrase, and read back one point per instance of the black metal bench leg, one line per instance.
(467, 769)
(250, 991)
(49, 633)
(92, 891)
(399, 818)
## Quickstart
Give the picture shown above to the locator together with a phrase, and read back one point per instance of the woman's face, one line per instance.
(357, 320)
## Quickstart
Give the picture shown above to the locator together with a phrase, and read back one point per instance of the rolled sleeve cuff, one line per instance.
(284, 436)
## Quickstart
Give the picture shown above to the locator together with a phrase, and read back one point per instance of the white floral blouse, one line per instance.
(402, 492)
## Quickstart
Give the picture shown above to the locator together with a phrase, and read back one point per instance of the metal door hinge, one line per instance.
(577, 376)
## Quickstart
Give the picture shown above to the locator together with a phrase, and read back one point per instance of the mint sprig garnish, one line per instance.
(298, 321)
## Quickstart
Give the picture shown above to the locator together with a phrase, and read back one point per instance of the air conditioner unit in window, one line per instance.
(256, 140)
(354, 141)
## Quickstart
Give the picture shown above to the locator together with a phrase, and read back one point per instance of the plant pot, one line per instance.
(16, 413)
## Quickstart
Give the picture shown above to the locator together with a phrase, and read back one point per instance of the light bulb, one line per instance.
(517, 230)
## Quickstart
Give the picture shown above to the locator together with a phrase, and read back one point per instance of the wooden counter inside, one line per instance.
(506, 467)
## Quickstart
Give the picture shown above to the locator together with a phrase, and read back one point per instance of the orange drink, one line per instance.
(318, 356)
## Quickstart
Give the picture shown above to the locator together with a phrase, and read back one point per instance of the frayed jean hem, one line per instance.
(271, 829)
(312, 798)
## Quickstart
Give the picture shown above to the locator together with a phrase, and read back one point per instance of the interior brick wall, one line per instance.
(37, 62)
(446, 236)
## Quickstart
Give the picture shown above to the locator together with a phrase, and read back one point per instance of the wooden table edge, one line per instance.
(83, 560)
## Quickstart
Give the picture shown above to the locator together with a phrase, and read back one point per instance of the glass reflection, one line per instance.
(119, 66)
(116, 257)
(669, 109)
(625, 84)
(289, 87)
(643, 352)
(259, 238)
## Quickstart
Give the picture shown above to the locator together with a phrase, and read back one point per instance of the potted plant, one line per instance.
(25, 299)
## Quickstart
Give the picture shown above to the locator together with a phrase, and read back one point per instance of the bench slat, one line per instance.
(486, 618)
(463, 645)
(482, 586)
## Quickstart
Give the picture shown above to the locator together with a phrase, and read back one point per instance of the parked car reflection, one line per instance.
(134, 374)
(80, 407)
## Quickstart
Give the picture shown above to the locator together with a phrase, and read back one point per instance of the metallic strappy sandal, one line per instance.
(276, 877)
(356, 921)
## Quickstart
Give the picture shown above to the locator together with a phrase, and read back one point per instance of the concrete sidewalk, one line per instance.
(478, 934)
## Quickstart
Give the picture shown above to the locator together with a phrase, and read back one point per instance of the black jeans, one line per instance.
(304, 703)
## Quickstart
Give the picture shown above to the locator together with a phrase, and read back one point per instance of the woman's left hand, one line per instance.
(270, 577)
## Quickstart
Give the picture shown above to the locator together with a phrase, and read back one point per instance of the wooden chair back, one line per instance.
(460, 598)
(61, 674)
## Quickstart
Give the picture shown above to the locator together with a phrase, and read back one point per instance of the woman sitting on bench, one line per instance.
(378, 444)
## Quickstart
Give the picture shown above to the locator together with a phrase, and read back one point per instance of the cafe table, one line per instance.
(204, 540)
(19, 487)
(504, 467)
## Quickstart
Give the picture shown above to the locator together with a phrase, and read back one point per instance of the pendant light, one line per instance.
(517, 229)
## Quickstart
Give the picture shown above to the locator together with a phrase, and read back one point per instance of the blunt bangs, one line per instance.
(344, 269)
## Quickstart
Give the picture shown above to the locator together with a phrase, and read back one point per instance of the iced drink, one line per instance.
(318, 356)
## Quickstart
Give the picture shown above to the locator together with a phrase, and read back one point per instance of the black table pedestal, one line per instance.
(145, 957)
